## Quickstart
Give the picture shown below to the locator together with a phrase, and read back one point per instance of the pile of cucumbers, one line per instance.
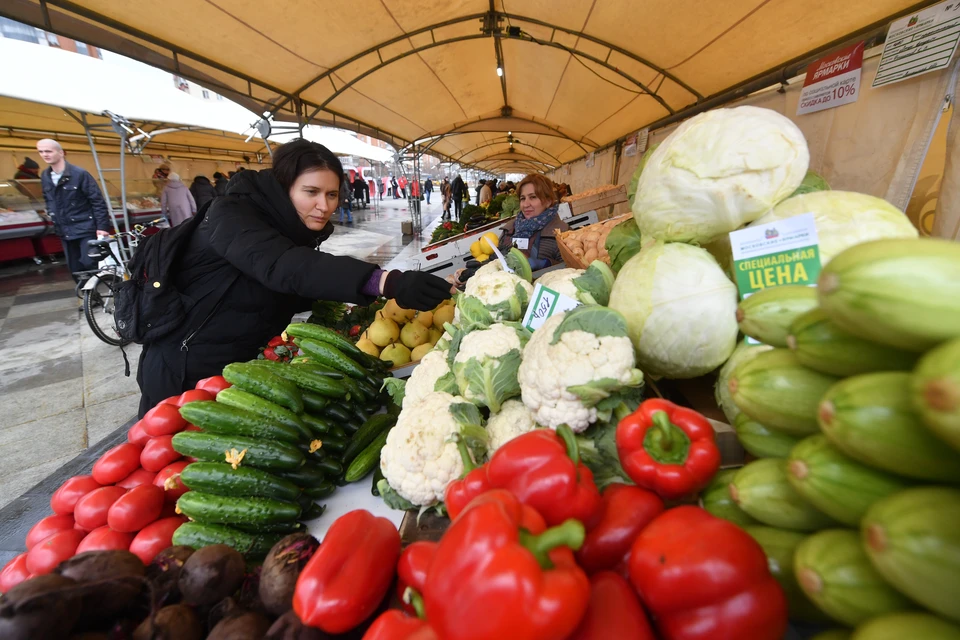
(283, 436)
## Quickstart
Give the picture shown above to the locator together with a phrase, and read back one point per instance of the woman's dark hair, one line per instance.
(299, 156)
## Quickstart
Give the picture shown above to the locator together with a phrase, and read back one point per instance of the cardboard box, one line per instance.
(599, 202)
(569, 258)
(406, 227)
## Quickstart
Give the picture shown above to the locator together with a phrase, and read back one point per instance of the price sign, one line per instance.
(545, 303)
(832, 81)
(919, 43)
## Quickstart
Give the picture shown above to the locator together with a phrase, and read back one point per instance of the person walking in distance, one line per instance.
(402, 181)
(176, 201)
(74, 203)
(459, 190)
(395, 187)
(383, 185)
(428, 189)
(446, 196)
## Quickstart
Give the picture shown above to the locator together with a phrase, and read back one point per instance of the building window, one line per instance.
(18, 31)
(82, 48)
(206, 94)
(53, 40)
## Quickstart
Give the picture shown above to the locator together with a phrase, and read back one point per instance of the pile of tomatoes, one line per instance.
(127, 502)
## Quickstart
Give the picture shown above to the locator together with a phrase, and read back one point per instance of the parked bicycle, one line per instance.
(99, 291)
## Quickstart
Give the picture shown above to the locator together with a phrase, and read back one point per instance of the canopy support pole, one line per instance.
(103, 181)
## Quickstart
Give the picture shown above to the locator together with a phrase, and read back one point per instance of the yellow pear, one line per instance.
(368, 347)
(395, 312)
(383, 331)
(435, 335)
(396, 353)
(414, 334)
(425, 318)
(420, 351)
(444, 314)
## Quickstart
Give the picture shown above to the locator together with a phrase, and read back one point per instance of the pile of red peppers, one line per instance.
(535, 552)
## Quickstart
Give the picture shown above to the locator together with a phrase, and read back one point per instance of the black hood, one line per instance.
(201, 180)
(263, 190)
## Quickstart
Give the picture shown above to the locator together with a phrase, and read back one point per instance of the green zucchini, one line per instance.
(266, 384)
(377, 477)
(219, 418)
(317, 426)
(309, 475)
(338, 413)
(222, 479)
(313, 402)
(359, 414)
(330, 356)
(261, 454)
(321, 490)
(305, 379)
(330, 466)
(240, 399)
(339, 432)
(367, 459)
(208, 508)
(367, 433)
(196, 535)
(324, 334)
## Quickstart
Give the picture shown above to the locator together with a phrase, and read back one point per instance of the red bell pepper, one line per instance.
(668, 449)
(543, 470)
(702, 578)
(625, 511)
(412, 570)
(614, 612)
(276, 341)
(345, 580)
(474, 481)
(394, 625)
(498, 574)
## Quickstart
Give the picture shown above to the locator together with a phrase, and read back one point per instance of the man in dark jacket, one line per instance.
(459, 191)
(428, 189)
(480, 184)
(220, 183)
(202, 191)
(75, 205)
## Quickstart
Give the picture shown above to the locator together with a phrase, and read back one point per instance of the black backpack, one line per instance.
(148, 305)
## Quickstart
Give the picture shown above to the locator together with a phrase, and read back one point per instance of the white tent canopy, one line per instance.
(338, 141)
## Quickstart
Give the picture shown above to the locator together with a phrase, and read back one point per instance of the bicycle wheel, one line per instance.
(98, 307)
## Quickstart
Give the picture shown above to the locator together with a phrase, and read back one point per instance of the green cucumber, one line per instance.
(313, 512)
(196, 535)
(760, 441)
(377, 477)
(317, 426)
(838, 485)
(367, 433)
(330, 356)
(222, 479)
(215, 417)
(209, 508)
(331, 467)
(305, 379)
(266, 384)
(240, 399)
(367, 459)
(913, 539)
(309, 475)
(762, 490)
(332, 444)
(285, 528)
(338, 432)
(261, 454)
(323, 334)
(321, 490)
(871, 418)
(780, 546)
(833, 570)
(338, 413)
(717, 501)
(313, 402)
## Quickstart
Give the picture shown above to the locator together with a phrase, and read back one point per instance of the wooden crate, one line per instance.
(569, 258)
(599, 202)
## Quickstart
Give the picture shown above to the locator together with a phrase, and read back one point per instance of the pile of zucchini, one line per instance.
(283, 436)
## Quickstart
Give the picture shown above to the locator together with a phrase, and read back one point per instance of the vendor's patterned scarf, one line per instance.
(527, 228)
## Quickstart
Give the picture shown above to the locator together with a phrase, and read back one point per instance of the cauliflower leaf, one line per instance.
(396, 388)
(623, 242)
(593, 287)
(485, 363)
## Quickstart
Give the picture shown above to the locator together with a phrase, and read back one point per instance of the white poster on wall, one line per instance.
(920, 43)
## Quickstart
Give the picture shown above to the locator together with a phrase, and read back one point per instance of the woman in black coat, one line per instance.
(253, 262)
(203, 192)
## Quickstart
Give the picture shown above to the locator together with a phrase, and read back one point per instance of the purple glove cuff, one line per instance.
(372, 288)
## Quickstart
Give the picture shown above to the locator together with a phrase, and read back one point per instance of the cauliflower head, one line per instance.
(589, 286)
(574, 366)
(485, 363)
(504, 296)
(561, 281)
(421, 456)
(423, 380)
(514, 419)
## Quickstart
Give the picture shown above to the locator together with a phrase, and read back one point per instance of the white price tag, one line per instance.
(546, 302)
(521, 243)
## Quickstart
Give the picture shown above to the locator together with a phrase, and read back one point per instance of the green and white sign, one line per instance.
(775, 254)
(544, 303)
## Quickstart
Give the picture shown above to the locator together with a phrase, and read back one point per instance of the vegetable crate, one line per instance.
(572, 246)
(598, 199)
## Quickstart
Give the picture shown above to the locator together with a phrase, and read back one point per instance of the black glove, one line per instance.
(416, 289)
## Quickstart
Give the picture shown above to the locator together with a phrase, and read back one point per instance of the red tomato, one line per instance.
(14, 572)
(191, 427)
(164, 420)
(65, 498)
(105, 539)
(155, 537)
(171, 400)
(62, 545)
(91, 511)
(46, 528)
(158, 453)
(169, 510)
(117, 463)
(194, 395)
(137, 478)
(136, 509)
(214, 385)
(176, 488)
(137, 435)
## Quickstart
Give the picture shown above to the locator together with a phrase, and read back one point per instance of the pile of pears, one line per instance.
(403, 335)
